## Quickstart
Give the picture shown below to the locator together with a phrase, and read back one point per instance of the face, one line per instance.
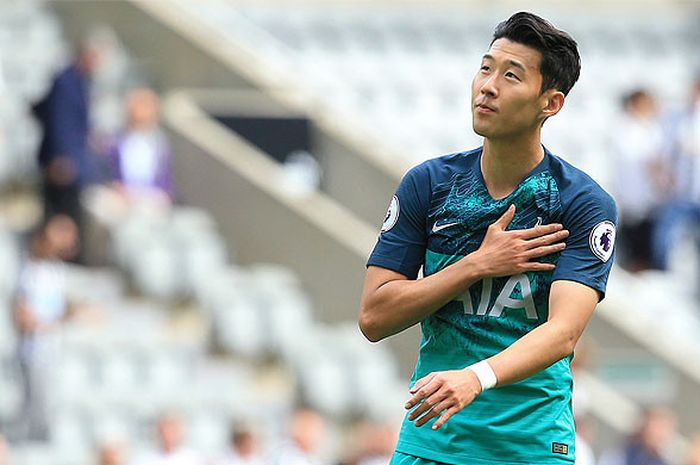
(506, 97)
(142, 109)
(170, 433)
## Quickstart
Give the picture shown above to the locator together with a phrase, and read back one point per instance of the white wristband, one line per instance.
(485, 373)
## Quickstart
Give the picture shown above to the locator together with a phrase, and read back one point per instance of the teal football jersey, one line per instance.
(440, 213)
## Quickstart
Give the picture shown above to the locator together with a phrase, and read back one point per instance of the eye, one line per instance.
(511, 75)
(484, 68)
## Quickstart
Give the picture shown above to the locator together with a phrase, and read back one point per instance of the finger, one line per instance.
(421, 382)
(540, 230)
(506, 218)
(445, 416)
(537, 266)
(424, 392)
(435, 411)
(547, 239)
(545, 250)
(426, 405)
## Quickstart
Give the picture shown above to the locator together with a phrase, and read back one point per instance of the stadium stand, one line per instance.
(181, 314)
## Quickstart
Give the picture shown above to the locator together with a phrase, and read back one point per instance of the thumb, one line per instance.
(506, 218)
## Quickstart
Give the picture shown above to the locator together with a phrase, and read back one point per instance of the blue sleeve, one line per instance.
(591, 218)
(402, 240)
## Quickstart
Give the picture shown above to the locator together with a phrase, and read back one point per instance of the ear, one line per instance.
(552, 101)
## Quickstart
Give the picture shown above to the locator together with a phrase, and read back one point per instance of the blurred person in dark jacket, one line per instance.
(651, 442)
(64, 155)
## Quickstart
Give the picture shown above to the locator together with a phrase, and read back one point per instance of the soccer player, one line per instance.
(516, 246)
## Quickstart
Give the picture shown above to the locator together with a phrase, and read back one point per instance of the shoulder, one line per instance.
(577, 188)
(444, 167)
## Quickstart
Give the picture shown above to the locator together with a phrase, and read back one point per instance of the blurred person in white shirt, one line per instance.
(171, 448)
(638, 149)
(140, 159)
(4, 451)
(376, 444)
(245, 449)
(112, 453)
(694, 451)
(41, 307)
(681, 213)
(307, 430)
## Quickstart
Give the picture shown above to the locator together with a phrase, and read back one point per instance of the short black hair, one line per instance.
(561, 62)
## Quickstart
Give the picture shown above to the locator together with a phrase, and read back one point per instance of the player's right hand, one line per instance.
(504, 253)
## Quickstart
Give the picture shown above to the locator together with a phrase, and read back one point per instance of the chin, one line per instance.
(480, 130)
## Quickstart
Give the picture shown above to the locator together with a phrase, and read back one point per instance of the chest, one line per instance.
(462, 210)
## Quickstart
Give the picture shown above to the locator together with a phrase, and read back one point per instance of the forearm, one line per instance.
(399, 304)
(533, 352)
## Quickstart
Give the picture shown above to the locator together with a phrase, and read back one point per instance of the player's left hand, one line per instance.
(442, 393)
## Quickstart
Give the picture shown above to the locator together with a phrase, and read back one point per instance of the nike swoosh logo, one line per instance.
(437, 227)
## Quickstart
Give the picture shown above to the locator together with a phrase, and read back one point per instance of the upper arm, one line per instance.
(571, 305)
(376, 277)
(591, 218)
(402, 240)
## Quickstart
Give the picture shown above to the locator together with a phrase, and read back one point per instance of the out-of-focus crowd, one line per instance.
(656, 160)
(369, 443)
(129, 166)
(657, 186)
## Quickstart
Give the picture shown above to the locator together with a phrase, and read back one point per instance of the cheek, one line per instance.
(523, 108)
(475, 87)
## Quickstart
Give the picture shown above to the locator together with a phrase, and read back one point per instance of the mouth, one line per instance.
(483, 108)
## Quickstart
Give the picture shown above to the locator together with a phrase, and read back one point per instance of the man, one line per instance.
(171, 445)
(141, 158)
(307, 431)
(504, 299)
(41, 308)
(64, 154)
(244, 449)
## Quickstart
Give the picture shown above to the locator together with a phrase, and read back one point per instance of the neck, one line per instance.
(506, 162)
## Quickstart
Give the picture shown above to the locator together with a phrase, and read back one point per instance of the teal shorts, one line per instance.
(399, 458)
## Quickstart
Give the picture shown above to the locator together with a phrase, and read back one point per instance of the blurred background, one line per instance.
(189, 191)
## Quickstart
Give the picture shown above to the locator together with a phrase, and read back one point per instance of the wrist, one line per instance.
(475, 267)
(485, 374)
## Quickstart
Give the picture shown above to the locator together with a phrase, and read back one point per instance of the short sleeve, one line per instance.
(402, 240)
(591, 218)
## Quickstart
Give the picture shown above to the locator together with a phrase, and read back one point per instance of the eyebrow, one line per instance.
(513, 63)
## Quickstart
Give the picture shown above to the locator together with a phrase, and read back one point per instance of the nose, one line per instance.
(489, 87)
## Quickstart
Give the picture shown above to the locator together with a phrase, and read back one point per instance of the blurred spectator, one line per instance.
(4, 451)
(141, 158)
(302, 173)
(694, 452)
(307, 430)
(244, 449)
(638, 148)
(41, 307)
(682, 212)
(171, 445)
(581, 400)
(64, 157)
(111, 454)
(649, 445)
(376, 444)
